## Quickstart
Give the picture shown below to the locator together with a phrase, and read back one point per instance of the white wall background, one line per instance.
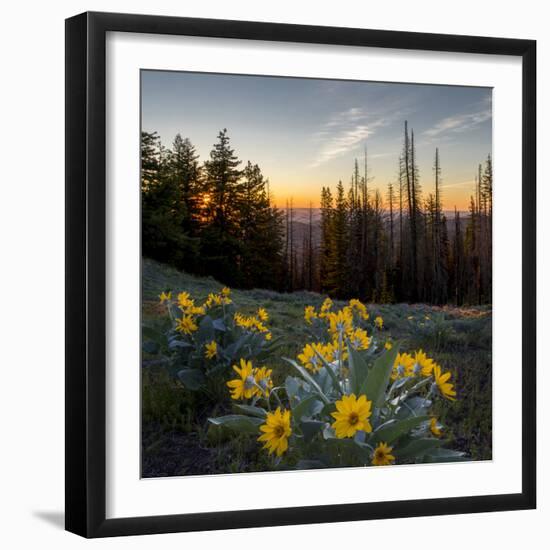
(32, 271)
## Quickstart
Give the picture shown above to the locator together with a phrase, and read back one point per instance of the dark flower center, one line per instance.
(353, 418)
(279, 431)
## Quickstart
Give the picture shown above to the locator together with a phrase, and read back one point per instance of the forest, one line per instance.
(218, 218)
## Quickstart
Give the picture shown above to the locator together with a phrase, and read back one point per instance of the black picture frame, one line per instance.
(86, 274)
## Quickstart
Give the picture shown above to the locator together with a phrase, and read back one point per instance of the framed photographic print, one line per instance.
(301, 265)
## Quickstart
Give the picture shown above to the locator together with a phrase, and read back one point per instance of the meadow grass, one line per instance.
(175, 438)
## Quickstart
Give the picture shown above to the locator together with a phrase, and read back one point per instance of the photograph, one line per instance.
(316, 273)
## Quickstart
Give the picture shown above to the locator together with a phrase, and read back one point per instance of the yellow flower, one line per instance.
(165, 297)
(422, 364)
(340, 322)
(259, 326)
(388, 345)
(352, 414)
(213, 300)
(382, 455)
(434, 427)
(309, 358)
(211, 350)
(195, 310)
(225, 291)
(262, 376)
(243, 387)
(309, 314)
(360, 308)
(268, 336)
(184, 300)
(444, 387)
(359, 339)
(379, 322)
(333, 352)
(263, 315)
(186, 324)
(242, 321)
(325, 308)
(276, 431)
(403, 366)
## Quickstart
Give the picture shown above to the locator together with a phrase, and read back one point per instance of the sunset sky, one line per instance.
(306, 133)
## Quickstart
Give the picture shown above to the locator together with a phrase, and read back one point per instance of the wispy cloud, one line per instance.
(469, 183)
(343, 132)
(458, 123)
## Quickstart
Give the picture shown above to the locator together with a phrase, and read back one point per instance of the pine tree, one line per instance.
(220, 244)
(184, 170)
(337, 276)
(327, 215)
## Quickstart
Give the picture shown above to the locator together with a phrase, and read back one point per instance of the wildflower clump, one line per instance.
(355, 398)
(206, 337)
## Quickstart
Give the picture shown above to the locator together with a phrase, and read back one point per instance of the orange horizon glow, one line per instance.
(452, 198)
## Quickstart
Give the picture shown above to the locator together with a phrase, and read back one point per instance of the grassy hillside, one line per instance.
(174, 438)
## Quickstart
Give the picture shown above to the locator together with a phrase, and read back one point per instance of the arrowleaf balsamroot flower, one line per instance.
(352, 414)
(359, 339)
(213, 300)
(262, 377)
(333, 351)
(341, 322)
(379, 322)
(403, 366)
(186, 324)
(443, 385)
(423, 364)
(325, 308)
(382, 455)
(309, 314)
(243, 387)
(263, 315)
(211, 350)
(360, 307)
(309, 358)
(435, 428)
(276, 431)
(165, 297)
(185, 301)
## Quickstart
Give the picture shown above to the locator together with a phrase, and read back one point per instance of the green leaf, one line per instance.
(417, 448)
(307, 407)
(251, 410)
(392, 430)
(192, 379)
(329, 408)
(181, 344)
(238, 423)
(376, 382)
(308, 378)
(206, 329)
(310, 428)
(292, 387)
(150, 347)
(356, 450)
(414, 406)
(358, 369)
(218, 324)
(310, 465)
(330, 372)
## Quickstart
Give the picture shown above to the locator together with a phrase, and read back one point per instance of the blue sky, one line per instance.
(306, 133)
